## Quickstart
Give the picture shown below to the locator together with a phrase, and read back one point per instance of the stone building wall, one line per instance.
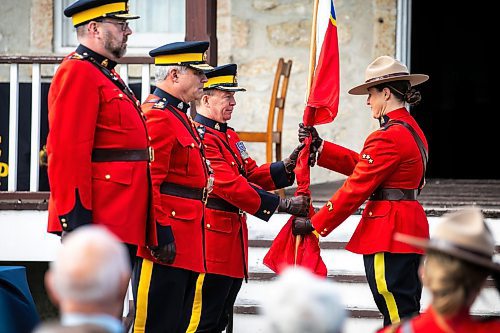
(254, 34)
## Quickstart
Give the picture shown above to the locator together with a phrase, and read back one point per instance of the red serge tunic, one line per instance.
(390, 158)
(88, 111)
(239, 183)
(178, 162)
(431, 322)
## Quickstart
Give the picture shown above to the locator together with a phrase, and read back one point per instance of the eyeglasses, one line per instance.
(197, 72)
(123, 25)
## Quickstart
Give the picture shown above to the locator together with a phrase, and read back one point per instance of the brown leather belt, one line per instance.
(115, 155)
(184, 191)
(220, 204)
(394, 194)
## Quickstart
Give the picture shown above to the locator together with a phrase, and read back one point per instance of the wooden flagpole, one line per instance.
(312, 67)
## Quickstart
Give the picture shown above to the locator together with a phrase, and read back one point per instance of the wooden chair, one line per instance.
(273, 133)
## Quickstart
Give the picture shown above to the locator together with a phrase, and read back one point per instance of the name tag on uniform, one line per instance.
(242, 149)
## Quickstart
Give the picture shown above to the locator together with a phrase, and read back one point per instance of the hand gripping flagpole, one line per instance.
(308, 117)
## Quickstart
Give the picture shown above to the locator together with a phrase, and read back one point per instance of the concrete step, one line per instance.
(24, 238)
(344, 268)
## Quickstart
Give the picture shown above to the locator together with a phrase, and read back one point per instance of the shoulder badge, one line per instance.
(242, 149)
(368, 158)
(159, 104)
(201, 131)
(77, 56)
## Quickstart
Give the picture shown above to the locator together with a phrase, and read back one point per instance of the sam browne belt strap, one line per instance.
(114, 155)
(184, 191)
(394, 194)
(220, 204)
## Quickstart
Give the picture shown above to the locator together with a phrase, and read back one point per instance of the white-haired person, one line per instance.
(86, 281)
(298, 301)
(459, 258)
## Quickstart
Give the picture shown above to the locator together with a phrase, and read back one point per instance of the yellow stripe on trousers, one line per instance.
(141, 313)
(197, 303)
(379, 264)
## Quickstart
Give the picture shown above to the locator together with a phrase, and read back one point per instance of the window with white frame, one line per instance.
(161, 22)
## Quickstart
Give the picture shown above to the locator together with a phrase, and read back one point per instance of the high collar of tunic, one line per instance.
(100, 59)
(165, 96)
(221, 127)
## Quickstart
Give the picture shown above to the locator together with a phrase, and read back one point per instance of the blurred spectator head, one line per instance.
(91, 270)
(300, 302)
(459, 257)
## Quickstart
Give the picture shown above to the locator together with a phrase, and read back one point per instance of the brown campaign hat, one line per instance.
(386, 69)
(463, 235)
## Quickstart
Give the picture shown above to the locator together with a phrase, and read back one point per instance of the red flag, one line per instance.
(322, 108)
(323, 100)
(285, 252)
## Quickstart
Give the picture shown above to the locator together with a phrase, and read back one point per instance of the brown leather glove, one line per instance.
(306, 131)
(298, 206)
(164, 254)
(291, 161)
(302, 226)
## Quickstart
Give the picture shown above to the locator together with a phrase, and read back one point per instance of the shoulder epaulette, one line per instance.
(386, 126)
(159, 104)
(78, 56)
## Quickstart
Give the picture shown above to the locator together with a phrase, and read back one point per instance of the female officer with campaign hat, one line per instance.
(459, 258)
(389, 172)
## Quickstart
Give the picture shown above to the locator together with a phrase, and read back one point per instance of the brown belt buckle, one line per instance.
(151, 154)
(204, 196)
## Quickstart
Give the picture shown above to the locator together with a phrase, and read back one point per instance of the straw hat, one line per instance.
(386, 69)
(463, 235)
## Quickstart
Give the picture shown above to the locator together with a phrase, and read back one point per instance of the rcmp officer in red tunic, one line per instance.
(389, 172)
(98, 156)
(240, 186)
(165, 290)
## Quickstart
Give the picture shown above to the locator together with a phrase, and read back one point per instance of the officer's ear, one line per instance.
(92, 27)
(387, 93)
(204, 101)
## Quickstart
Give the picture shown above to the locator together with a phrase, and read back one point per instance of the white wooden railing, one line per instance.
(36, 63)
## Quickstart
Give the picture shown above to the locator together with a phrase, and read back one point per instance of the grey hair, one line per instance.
(90, 266)
(300, 302)
(161, 72)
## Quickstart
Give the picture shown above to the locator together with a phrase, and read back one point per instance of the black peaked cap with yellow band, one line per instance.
(223, 78)
(190, 54)
(83, 11)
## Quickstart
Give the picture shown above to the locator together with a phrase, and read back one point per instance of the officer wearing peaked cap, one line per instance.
(98, 147)
(190, 54)
(240, 186)
(182, 179)
(83, 11)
